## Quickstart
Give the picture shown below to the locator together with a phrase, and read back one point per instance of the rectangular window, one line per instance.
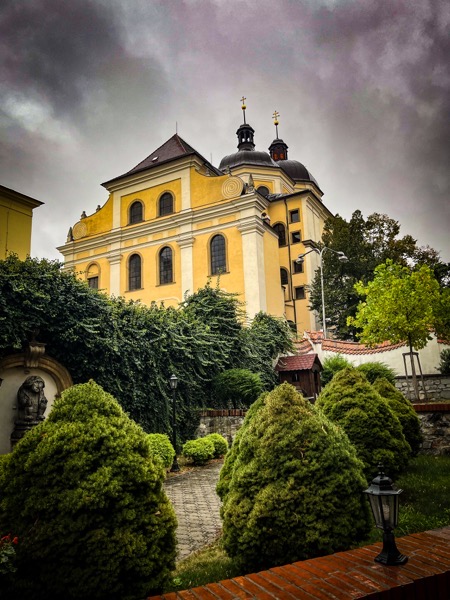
(299, 293)
(296, 237)
(294, 216)
(93, 282)
(297, 267)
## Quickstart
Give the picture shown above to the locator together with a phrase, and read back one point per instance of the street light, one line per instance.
(341, 257)
(173, 386)
(384, 498)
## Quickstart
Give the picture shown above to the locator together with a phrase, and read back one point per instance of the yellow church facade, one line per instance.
(175, 221)
(16, 216)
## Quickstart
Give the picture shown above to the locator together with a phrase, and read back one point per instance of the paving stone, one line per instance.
(197, 506)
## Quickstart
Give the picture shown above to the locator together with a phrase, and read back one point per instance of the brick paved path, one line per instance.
(193, 496)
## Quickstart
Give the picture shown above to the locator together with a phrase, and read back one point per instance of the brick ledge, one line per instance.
(345, 576)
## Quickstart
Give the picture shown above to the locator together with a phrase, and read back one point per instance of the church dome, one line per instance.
(246, 157)
(296, 171)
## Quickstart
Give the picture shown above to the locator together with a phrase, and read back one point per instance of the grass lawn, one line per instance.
(424, 504)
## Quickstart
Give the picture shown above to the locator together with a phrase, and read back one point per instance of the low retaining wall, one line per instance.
(225, 422)
(437, 387)
(435, 427)
(348, 575)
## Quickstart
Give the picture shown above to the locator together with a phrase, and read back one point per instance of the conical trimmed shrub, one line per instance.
(293, 486)
(351, 401)
(85, 499)
(404, 410)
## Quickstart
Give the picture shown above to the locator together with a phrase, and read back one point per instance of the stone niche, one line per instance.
(15, 369)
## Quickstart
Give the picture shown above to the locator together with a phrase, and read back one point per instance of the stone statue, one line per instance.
(31, 399)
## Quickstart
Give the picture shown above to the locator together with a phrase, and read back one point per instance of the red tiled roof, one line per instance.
(297, 363)
(303, 346)
(357, 348)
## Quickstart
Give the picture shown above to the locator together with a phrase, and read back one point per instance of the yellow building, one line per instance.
(175, 220)
(16, 215)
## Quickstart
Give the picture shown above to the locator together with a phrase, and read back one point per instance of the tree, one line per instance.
(399, 306)
(85, 498)
(293, 490)
(351, 402)
(366, 243)
(131, 349)
(235, 388)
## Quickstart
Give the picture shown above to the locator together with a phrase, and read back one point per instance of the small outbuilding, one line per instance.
(303, 372)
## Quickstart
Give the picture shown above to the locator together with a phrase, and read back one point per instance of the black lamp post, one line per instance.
(384, 498)
(173, 386)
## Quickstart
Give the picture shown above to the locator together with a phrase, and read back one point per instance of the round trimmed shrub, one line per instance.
(331, 366)
(351, 401)
(85, 498)
(295, 489)
(374, 370)
(236, 388)
(161, 448)
(404, 410)
(199, 451)
(220, 444)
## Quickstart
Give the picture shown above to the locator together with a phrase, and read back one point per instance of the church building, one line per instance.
(175, 220)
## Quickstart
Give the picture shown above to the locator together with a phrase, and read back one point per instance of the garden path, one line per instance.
(193, 496)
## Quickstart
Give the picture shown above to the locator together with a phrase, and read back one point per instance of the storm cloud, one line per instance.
(90, 88)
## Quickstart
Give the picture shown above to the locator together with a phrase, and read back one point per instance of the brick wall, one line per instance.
(435, 427)
(346, 576)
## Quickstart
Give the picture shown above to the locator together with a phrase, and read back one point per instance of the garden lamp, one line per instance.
(173, 381)
(384, 498)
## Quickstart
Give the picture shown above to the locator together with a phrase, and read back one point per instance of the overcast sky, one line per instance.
(89, 88)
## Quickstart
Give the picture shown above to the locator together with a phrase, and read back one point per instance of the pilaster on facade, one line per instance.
(114, 258)
(252, 230)
(186, 243)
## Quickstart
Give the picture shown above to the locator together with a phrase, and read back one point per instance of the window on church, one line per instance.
(294, 215)
(284, 276)
(299, 293)
(136, 213)
(218, 255)
(93, 282)
(165, 205)
(165, 266)
(263, 190)
(297, 267)
(281, 231)
(93, 276)
(134, 272)
(296, 237)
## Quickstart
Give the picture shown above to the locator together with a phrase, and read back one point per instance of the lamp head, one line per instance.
(300, 259)
(342, 258)
(173, 382)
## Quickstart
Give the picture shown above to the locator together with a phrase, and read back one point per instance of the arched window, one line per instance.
(134, 272)
(218, 255)
(284, 276)
(165, 204)
(136, 213)
(165, 265)
(281, 231)
(93, 276)
(263, 190)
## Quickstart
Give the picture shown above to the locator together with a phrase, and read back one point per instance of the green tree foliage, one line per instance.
(366, 243)
(444, 365)
(404, 410)
(351, 401)
(161, 449)
(199, 451)
(331, 366)
(130, 349)
(373, 370)
(227, 469)
(398, 306)
(235, 388)
(85, 499)
(220, 444)
(295, 486)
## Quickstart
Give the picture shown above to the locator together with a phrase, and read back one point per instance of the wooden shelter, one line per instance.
(303, 372)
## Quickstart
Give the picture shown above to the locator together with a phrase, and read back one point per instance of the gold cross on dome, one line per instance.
(243, 99)
(275, 115)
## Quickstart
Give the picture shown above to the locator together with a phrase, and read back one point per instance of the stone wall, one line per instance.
(435, 427)
(437, 387)
(225, 422)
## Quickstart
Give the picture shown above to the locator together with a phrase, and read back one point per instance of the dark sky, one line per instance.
(91, 87)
